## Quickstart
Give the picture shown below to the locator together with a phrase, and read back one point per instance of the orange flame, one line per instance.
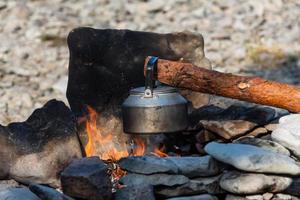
(104, 146)
(160, 151)
(105, 143)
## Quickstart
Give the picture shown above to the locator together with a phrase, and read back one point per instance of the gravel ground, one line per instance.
(260, 37)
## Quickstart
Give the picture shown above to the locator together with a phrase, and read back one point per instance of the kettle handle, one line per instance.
(149, 82)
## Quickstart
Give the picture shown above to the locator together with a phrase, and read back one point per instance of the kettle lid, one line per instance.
(157, 90)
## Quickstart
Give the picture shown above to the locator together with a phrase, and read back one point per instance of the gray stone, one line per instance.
(188, 166)
(17, 194)
(135, 192)
(148, 165)
(253, 159)
(87, 178)
(195, 166)
(5, 184)
(37, 149)
(234, 197)
(154, 179)
(249, 183)
(264, 144)
(287, 133)
(47, 193)
(195, 186)
(197, 197)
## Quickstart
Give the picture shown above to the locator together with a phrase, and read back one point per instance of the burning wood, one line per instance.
(252, 89)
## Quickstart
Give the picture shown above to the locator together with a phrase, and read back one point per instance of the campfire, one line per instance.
(127, 136)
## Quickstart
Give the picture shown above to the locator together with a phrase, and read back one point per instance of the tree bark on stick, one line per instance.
(246, 88)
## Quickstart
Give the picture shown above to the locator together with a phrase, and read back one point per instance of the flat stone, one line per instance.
(188, 166)
(230, 128)
(197, 197)
(258, 132)
(87, 178)
(195, 186)
(195, 166)
(284, 197)
(37, 149)
(234, 197)
(5, 184)
(236, 120)
(250, 183)
(253, 159)
(264, 144)
(148, 165)
(287, 133)
(47, 193)
(154, 179)
(131, 192)
(18, 194)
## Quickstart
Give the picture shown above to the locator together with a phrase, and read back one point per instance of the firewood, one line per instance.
(246, 88)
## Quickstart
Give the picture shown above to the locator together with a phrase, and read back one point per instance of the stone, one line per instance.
(197, 197)
(188, 166)
(38, 149)
(253, 159)
(195, 166)
(264, 144)
(234, 121)
(284, 197)
(17, 194)
(287, 133)
(193, 187)
(87, 178)
(260, 131)
(205, 136)
(105, 64)
(235, 197)
(47, 193)
(148, 165)
(5, 184)
(250, 183)
(267, 196)
(154, 179)
(293, 188)
(230, 128)
(132, 192)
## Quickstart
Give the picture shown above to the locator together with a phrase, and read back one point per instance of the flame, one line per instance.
(104, 146)
(160, 151)
(105, 143)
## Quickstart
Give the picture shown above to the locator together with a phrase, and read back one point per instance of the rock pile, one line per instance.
(265, 167)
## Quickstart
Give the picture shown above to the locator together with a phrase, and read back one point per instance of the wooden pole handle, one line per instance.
(246, 88)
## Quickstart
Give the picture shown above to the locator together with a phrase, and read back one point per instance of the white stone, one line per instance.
(287, 133)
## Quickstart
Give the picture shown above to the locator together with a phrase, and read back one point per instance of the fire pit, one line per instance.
(217, 149)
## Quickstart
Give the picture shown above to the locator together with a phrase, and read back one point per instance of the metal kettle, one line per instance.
(154, 108)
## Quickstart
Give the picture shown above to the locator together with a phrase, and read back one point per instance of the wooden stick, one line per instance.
(246, 88)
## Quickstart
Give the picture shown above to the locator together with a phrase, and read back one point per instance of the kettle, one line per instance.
(155, 108)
